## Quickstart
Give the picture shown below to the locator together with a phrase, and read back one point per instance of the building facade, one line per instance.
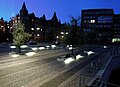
(42, 30)
(5, 35)
(116, 29)
(97, 25)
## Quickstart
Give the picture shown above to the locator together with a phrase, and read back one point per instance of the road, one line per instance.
(35, 71)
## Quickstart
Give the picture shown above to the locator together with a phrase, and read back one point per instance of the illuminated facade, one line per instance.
(116, 28)
(42, 30)
(98, 25)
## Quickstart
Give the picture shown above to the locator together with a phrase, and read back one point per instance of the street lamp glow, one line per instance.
(23, 46)
(68, 60)
(32, 28)
(34, 48)
(13, 47)
(62, 36)
(15, 55)
(105, 46)
(7, 39)
(38, 35)
(62, 32)
(90, 52)
(85, 51)
(41, 48)
(66, 32)
(48, 46)
(41, 29)
(38, 28)
(56, 42)
(67, 45)
(53, 46)
(71, 45)
(57, 37)
(79, 56)
(30, 53)
(70, 48)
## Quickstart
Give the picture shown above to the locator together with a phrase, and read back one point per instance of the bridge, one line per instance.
(96, 73)
(43, 70)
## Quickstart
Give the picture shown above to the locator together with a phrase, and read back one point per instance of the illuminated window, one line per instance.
(38, 35)
(32, 28)
(62, 32)
(84, 21)
(18, 17)
(92, 21)
(84, 30)
(38, 28)
(62, 36)
(66, 32)
(105, 19)
(57, 37)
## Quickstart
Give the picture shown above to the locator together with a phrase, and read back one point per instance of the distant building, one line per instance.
(116, 37)
(97, 25)
(4, 35)
(42, 30)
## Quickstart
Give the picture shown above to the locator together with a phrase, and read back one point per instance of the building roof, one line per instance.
(23, 6)
(54, 18)
(100, 9)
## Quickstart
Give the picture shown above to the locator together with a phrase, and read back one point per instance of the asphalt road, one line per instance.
(36, 71)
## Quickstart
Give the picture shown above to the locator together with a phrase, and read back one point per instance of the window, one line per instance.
(92, 21)
(86, 30)
(105, 19)
(84, 21)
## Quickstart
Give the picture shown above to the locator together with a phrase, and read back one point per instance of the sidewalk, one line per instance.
(66, 75)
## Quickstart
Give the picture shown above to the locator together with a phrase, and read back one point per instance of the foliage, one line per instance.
(19, 35)
(73, 38)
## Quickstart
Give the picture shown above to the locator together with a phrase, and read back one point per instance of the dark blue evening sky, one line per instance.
(63, 8)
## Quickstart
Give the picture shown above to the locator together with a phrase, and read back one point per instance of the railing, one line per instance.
(91, 74)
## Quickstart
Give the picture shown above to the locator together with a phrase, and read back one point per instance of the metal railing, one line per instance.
(91, 73)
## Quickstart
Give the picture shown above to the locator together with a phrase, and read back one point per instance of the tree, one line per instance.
(20, 36)
(73, 38)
